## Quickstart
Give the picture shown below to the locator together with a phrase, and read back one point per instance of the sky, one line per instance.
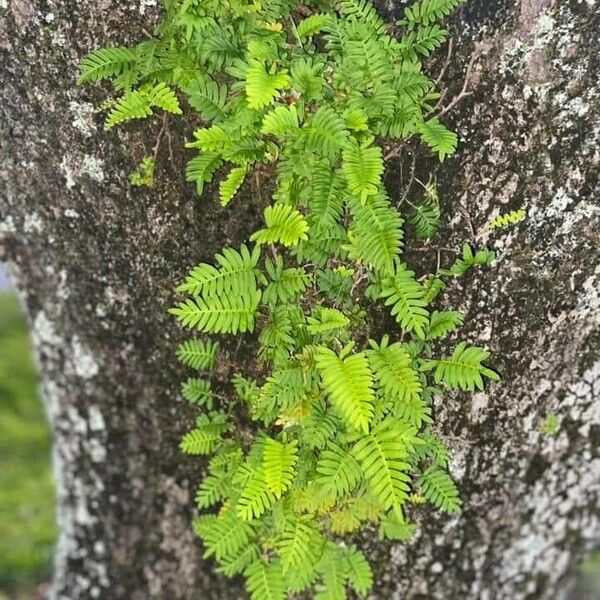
(4, 283)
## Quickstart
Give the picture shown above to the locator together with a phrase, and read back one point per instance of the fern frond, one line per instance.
(307, 79)
(208, 98)
(328, 319)
(256, 498)
(427, 12)
(299, 547)
(468, 260)
(106, 63)
(285, 284)
(405, 294)
(325, 133)
(438, 137)
(363, 167)
(219, 314)
(212, 489)
(443, 322)
(334, 569)
(312, 25)
(327, 197)
(359, 571)
(198, 354)
(376, 233)
(206, 436)
(197, 391)
(263, 87)
(339, 473)
(463, 370)
(282, 121)
(231, 566)
(349, 383)
(230, 186)
(285, 225)
(278, 463)
(393, 368)
(383, 455)
(425, 216)
(364, 12)
(393, 528)
(424, 40)
(235, 274)
(265, 581)
(440, 490)
(225, 536)
(201, 168)
(511, 218)
(138, 104)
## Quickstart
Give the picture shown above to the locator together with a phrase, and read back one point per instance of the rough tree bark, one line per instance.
(95, 262)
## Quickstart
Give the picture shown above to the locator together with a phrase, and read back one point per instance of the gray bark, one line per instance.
(96, 261)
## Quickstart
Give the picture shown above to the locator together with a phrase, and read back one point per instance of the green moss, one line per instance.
(27, 528)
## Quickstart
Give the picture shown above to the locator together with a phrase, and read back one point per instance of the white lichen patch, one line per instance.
(75, 167)
(93, 167)
(32, 223)
(146, 4)
(7, 225)
(67, 166)
(84, 363)
(44, 332)
(83, 121)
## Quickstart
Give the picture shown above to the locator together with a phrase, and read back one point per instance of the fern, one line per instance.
(262, 87)
(206, 436)
(511, 218)
(265, 581)
(223, 536)
(312, 25)
(339, 473)
(438, 138)
(300, 547)
(282, 121)
(197, 391)
(229, 187)
(138, 104)
(376, 233)
(219, 314)
(440, 490)
(359, 571)
(363, 167)
(392, 366)
(349, 383)
(208, 97)
(106, 63)
(443, 322)
(429, 11)
(256, 498)
(383, 455)
(426, 215)
(198, 354)
(464, 369)
(406, 296)
(236, 272)
(285, 225)
(301, 103)
(278, 464)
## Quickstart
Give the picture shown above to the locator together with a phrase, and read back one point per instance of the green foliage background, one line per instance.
(27, 528)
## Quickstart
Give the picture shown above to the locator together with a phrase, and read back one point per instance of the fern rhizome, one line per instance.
(312, 92)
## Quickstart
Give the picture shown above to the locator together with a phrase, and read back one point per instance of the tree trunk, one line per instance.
(96, 261)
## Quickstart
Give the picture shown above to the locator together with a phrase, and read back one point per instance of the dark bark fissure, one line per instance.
(96, 261)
